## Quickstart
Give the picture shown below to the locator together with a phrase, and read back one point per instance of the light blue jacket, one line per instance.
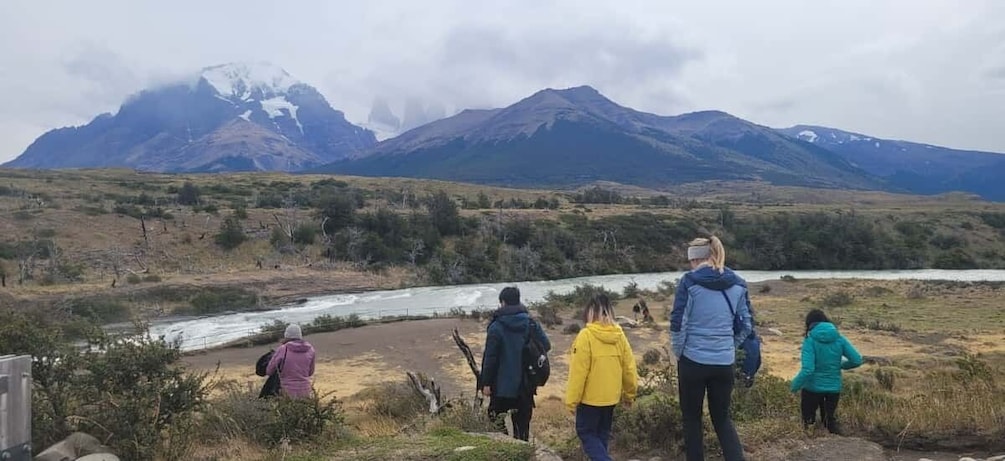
(701, 324)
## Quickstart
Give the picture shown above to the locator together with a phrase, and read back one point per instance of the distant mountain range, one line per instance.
(234, 117)
(250, 117)
(577, 136)
(913, 167)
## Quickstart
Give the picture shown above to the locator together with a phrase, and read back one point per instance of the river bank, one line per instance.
(218, 330)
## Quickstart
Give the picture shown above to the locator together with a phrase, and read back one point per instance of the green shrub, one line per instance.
(788, 278)
(305, 234)
(572, 329)
(548, 313)
(231, 234)
(396, 400)
(134, 279)
(651, 425)
(886, 378)
(214, 300)
(837, 299)
(580, 295)
(631, 290)
(99, 309)
(652, 357)
(134, 395)
(152, 278)
(238, 412)
(770, 397)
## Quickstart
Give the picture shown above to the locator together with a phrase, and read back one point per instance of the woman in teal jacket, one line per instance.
(825, 353)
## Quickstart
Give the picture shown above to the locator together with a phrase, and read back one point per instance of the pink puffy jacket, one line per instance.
(295, 360)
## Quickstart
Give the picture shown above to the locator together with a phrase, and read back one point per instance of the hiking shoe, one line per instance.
(748, 381)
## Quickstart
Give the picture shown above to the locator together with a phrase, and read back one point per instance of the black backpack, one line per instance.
(537, 367)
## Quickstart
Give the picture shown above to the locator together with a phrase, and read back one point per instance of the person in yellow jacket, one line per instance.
(601, 374)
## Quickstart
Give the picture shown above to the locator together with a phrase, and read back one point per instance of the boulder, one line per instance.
(831, 448)
(77, 446)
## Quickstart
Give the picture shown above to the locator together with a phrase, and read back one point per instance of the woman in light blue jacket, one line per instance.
(710, 318)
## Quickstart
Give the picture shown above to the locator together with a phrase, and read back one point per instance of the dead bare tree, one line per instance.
(426, 387)
(472, 364)
(143, 227)
(415, 250)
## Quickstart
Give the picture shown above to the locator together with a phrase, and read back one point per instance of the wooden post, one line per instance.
(15, 408)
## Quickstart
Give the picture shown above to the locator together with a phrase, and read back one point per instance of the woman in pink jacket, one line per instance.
(294, 361)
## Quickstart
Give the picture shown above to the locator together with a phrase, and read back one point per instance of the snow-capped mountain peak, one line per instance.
(241, 80)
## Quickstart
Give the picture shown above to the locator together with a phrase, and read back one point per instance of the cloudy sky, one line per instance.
(924, 70)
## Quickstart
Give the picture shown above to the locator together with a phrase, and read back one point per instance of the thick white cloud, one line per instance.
(925, 70)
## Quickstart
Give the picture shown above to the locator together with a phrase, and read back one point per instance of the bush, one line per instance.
(837, 299)
(134, 395)
(886, 378)
(631, 290)
(652, 357)
(580, 295)
(152, 278)
(189, 194)
(231, 234)
(327, 322)
(548, 313)
(765, 289)
(305, 234)
(769, 398)
(396, 400)
(213, 300)
(572, 329)
(240, 413)
(651, 425)
(134, 279)
(788, 278)
(877, 291)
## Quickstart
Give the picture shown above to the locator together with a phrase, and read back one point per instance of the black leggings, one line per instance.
(826, 402)
(693, 380)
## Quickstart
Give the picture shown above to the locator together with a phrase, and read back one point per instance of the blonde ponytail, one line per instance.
(710, 250)
(718, 258)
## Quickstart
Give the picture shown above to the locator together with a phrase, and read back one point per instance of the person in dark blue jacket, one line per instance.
(710, 319)
(502, 378)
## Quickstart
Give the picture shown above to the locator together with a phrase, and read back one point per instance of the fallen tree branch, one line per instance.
(426, 388)
(475, 369)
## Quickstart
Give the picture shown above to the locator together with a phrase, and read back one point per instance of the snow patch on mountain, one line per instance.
(274, 108)
(808, 135)
(246, 115)
(239, 80)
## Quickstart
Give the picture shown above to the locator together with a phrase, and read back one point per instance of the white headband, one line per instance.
(699, 252)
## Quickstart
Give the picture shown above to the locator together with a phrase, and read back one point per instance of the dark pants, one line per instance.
(524, 406)
(826, 402)
(694, 379)
(593, 426)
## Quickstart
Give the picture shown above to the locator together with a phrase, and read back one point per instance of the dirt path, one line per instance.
(354, 359)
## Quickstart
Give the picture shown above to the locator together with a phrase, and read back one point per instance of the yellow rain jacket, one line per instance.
(601, 368)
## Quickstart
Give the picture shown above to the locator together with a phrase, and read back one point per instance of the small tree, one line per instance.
(189, 194)
(231, 234)
(444, 213)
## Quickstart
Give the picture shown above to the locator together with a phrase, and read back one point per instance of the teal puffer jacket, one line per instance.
(825, 354)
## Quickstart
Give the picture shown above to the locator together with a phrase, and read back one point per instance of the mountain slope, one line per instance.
(576, 136)
(918, 168)
(231, 117)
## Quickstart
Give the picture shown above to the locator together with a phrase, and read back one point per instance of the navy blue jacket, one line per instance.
(502, 367)
(701, 324)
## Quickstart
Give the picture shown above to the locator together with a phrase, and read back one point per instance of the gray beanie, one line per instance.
(293, 332)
